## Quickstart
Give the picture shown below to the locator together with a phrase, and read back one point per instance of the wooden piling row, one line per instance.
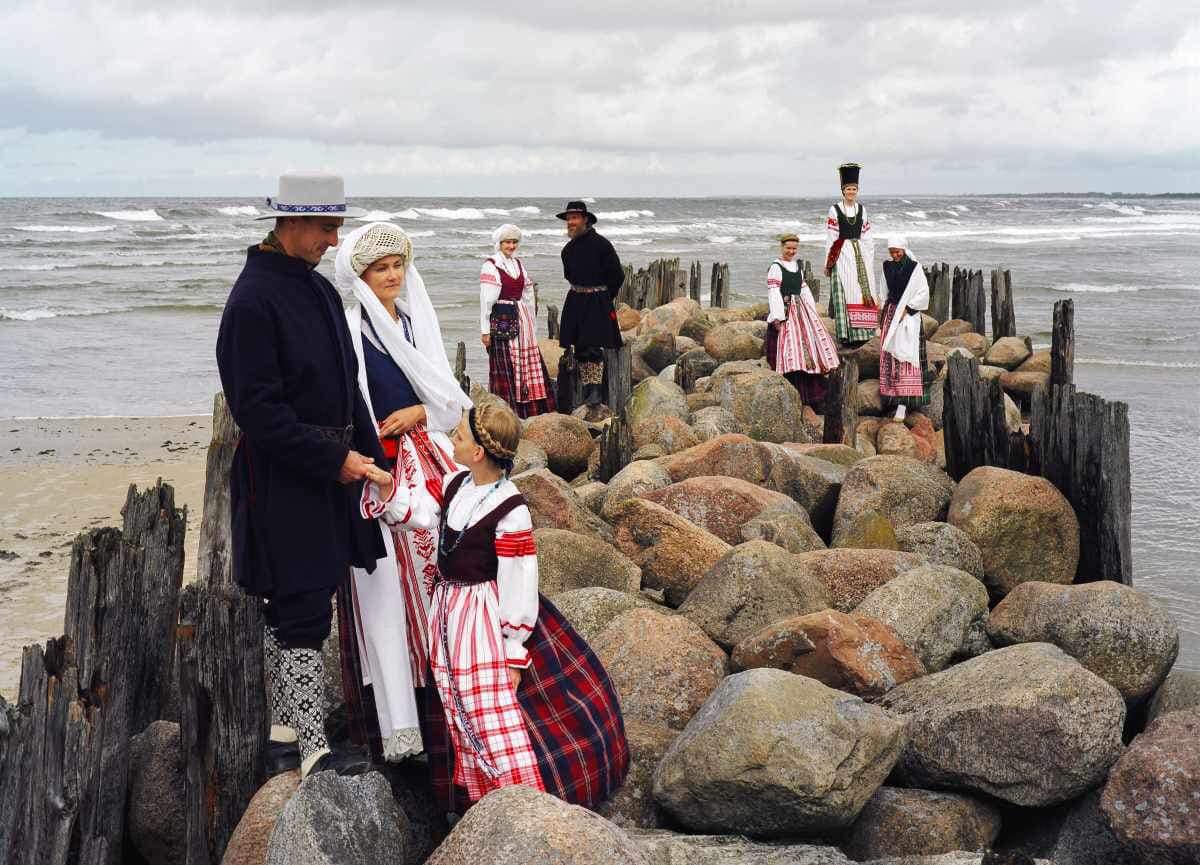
(967, 298)
(973, 420)
(940, 290)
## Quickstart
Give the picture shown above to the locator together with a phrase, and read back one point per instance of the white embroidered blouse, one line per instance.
(489, 288)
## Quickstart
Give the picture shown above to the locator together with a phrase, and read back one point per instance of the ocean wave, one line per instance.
(39, 313)
(721, 238)
(65, 229)
(1157, 364)
(633, 230)
(496, 211)
(528, 209)
(421, 233)
(961, 208)
(450, 212)
(375, 216)
(624, 214)
(1089, 288)
(239, 210)
(1123, 209)
(916, 214)
(148, 215)
(588, 200)
(632, 241)
(406, 214)
(34, 267)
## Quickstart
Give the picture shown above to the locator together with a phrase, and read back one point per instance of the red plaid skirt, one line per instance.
(571, 712)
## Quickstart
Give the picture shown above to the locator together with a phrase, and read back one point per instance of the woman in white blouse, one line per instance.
(798, 346)
(516, 372)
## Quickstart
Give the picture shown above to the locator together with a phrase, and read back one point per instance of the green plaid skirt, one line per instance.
(837, 299)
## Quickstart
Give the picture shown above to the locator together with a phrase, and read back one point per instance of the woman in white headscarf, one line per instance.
(902, 356)
(405, 378)
(516, 372)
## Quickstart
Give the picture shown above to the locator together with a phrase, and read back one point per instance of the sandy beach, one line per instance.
(59, 477)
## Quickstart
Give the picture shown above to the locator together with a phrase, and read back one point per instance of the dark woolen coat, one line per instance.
(287, 365)
(590, 319)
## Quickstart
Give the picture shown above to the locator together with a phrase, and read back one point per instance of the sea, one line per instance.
(110, 307)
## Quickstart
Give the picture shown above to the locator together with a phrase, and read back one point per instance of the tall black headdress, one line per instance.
(849, 172)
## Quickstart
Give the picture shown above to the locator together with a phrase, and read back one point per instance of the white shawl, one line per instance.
(904, 332)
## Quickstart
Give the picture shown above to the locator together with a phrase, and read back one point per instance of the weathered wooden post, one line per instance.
(841, 405)
(695, 274)
(552, 321)
(460, 368)
(978, 303)
(616, 448)
(1062, 344)
(618, 378)
(223, 717)
(973, 420)
(214, 564)
(939, 301)
(719, 285)
(1004, 321)
(958, 294)
(814, 283)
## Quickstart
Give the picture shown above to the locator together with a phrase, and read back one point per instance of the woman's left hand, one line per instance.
(514, 677)
(402, 420)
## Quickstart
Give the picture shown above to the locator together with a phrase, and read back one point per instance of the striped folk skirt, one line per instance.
(901, 383)
(561, 731)
(516, 372)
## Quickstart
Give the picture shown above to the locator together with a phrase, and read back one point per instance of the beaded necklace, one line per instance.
(467, 525)
(857, 213)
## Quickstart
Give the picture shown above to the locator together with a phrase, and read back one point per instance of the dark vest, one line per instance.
(850, 229)
(511, 287)
(897, 274)
(791, 282)
(473, 558)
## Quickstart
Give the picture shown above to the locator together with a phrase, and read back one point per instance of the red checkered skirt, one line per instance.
(896, 377)
(570, 717)
(516, 372)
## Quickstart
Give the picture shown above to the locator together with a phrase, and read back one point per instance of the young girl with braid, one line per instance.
(519, 697)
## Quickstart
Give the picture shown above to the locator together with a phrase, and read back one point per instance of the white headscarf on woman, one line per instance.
(904, 334)
(507, 231)
(426, 364)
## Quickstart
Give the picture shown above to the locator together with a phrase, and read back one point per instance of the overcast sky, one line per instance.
(612, 98)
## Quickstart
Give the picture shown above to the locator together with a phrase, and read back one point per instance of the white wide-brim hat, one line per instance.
(310, 193)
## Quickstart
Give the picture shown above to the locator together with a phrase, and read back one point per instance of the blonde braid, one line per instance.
(492, 414)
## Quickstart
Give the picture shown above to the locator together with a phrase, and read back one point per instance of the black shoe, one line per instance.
(282, 757)
(347, 763)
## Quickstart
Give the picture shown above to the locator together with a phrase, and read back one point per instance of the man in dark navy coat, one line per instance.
(289, 374)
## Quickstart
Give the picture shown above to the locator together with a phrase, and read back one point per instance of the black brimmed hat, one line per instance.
(578, 207)
(849, 172)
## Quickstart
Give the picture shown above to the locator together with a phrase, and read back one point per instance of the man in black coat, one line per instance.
(289, 373)
(589, 320)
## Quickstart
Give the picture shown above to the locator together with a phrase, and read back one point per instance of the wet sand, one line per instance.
(59, 477)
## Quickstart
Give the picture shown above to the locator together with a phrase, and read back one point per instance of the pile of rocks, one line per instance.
(824, 653)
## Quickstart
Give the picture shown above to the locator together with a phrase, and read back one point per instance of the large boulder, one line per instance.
(720, 504)
(766, 405)
(1038, 361)
(552, 354)
(657, 348)
(1021, 385)
(633, 481)
(554, 505)
(1008, 352)
(713, 421)
(835, 453)
(772, 754)
(785, 528)
(669, 432)
(590, 610)
(751, 586)
(866, 356)
(657, 398)
(1124, 636)
(975, 343)
(157, 794)
(869, 400)
(248, 843)
(905, 490)
(529, 457)
(336, 820)
(663, 666)
(952, 327)
(1180, 690)
(633, 804)
(936, 610)
(670, 317)
(1152, 795)
(674, 848)
(855, 654)
(899, 822)
(1026, 724)
(813, 483)
(691, 365)
(568, 560)
(698, 325)
(851, 575)
(894, 439)
(521, 825)
(735, 340)
(566, 441)
(673, 553)
(1024, 527)
(942, 544)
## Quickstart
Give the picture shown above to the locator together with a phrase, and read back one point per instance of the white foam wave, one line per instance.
(906, 201)
(39, 313)
(32, 267)
(961, 208)
(239, 210)
(452, 212)
(916, 214)
(1123, 209)
(65, 229)
(1088, 288)
(148, 215)
(1158, 364)
(529, 208)
(633, 230)
(721, 238)
(589, 200)
(421, 233)
(26, 314)
(632, 241)
(496, 211)
(407, 214)
(624, 214)
(376, 216)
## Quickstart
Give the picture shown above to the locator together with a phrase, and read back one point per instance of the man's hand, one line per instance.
(354, 468)
(514, 677)
(486, 339)
(402, 420)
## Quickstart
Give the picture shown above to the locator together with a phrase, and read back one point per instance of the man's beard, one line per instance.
(576, 230)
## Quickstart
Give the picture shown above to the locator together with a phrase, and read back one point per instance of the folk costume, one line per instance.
(589, 320)
(902, 361)
(798, 346)
(849, 251)
(561, 730)
(402, 363)
(516, 372)
(289, 373)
